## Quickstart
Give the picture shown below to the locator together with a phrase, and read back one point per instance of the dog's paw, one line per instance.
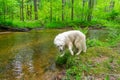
(62, 55)
(72, 53)
(77, 54)
(84, 51)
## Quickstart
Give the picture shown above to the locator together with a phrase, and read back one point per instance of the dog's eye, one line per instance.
(57, 46)
(60, 45)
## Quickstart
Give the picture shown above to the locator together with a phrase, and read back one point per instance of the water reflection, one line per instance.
(98, 34)
(23, 60)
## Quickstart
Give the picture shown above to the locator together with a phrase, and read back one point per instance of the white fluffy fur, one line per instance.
(70, 39)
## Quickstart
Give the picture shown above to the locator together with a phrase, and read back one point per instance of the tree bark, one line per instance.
(20, 13)
(72, 10)
(83, 5)
(90, 7)
(35, 10)
(51, 11)
(63, 3)
(27, 12)
(22, 10)
(4, 8)
(30, 11)
(112, 3)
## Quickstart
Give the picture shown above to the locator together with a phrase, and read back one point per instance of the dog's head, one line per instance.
(59, 42)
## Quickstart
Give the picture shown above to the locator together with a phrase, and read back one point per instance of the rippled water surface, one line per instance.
(26, 55)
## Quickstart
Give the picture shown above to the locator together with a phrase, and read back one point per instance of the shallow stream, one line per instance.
(28, 55)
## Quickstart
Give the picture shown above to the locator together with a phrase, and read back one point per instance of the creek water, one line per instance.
(28, 55)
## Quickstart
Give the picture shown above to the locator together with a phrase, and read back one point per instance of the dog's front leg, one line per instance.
(62, 54)
(70, 48)
(79, 52)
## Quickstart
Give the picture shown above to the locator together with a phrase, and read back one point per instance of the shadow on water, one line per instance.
(28, 55)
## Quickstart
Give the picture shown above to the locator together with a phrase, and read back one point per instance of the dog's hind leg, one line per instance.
(78, 46)
(70, 48)
(84, 46)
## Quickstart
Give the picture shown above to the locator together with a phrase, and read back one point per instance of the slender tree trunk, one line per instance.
(72, 10)
(6, 11)
(22, 10)
(83, 5)
(27, 12)
(12, 15)
(35, 10)
(112, 3)
(39, 1)
(63, 3)
(20, 13)
(51, 11)
(4, 8)
(10, 12)
(90, 7)
(30, 11)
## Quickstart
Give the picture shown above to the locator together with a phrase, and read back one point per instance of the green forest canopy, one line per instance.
(46, 11)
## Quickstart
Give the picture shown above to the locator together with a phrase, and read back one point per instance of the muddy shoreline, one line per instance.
(3, 29)
(26, 29)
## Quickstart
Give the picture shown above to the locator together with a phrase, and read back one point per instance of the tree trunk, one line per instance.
(22, 10)
(27, 12)
(20, 13)
(12, 15)
(83, 14)
(72, 10)
(35, 10)
(112, 3)
(51, 11)
(30, 11)
(4, 8)
(90, 7)
(63, 10)
(39, 1)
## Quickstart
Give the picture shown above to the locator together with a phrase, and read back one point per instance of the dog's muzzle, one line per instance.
(61, 50)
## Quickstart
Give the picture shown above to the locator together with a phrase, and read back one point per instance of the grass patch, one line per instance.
(95, 23)
(97, 61)
(22, 24)
(29, 24)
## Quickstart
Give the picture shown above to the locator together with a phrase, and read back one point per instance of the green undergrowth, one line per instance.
(21, 24)
(98, 62)
(94, 23)
(28, 24)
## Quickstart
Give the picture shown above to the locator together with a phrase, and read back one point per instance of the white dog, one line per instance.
(70, 39)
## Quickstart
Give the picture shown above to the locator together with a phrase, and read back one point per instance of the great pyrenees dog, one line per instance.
(69, 39)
